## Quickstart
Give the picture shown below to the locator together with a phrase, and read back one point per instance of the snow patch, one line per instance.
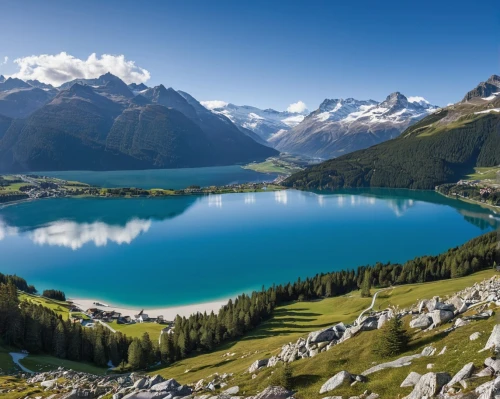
(214, 104)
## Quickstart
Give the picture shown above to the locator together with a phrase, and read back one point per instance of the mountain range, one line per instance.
(340, 126)
(337, 127)
(105, 124)
(443, 147)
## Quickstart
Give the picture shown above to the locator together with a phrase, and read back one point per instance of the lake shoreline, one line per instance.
(168, 312)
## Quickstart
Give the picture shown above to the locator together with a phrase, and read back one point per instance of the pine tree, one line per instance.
(60, 340)
(100, 357)
(393, 338)
(135, 357)
(366, 285)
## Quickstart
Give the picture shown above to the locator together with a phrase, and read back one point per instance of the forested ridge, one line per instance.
(423, 157)
(38, 329)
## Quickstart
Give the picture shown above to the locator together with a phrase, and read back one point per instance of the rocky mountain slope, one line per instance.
(103, 124)
(265, 123)
(441, 148)
(341, 126)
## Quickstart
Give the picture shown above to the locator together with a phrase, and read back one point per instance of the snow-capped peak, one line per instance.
(418, 100)
(263, 122)
(214, 104)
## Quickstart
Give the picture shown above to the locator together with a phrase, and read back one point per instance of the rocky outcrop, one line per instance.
(274, 392)
(494, 339)
(339, 379)
(411, 380)
(429, 385)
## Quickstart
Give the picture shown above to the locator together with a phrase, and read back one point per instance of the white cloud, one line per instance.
(75, 235)
(5, 60)
(213, 104)
(418, 99)
(60, 68)
(297, 107)
(6, 231)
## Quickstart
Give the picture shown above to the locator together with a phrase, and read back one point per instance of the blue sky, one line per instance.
(272, 53)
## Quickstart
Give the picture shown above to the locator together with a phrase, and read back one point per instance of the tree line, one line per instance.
(423, 157)
(39, 329)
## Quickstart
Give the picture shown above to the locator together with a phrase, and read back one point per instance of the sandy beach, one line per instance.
(168, 313)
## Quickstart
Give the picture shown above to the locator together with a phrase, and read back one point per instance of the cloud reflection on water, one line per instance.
(75, 235)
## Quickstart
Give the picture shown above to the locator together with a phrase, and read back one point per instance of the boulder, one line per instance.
(494, 339)
(422, 321)
(441, 316)
(154, 380)
(273, 361)
(460, 322)
(486, 372)
(428, 351)
(147, 395)
(257, 365)
(140, 383)
(411, 380)
(336, 381)
(328, 334)
(475, 336)
(459, 304)
(464, 373)
(168, 385)
(231, 391)
(48, 383)
(494, 364)
(370, 323)
(199, 385)
(274, 393)
(429, 385)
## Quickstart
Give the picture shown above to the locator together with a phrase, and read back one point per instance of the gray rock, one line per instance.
(475, 336)
(486, 372)
(441, 316)
(232, 391)
(411, 380)
(428, 351)
(494, 364)
(401, 362)
(48, 383)
(199, 385)
(274, 393)
(273, 361)
(422, 321)
(337, 380)
(464, 373)
(140, 383)
(168, 385)
(494, 339)
(257, 365)
(147, 395)
(429, 385)
(154, 380)
(328, 334)
(459, 304)
(369, 324)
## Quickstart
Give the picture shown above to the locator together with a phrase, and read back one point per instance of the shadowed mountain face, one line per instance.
(443, 147)
(100, 124)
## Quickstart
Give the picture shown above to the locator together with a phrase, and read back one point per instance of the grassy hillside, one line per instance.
(427, 154)
(298, 319)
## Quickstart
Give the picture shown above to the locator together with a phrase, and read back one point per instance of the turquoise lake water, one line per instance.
(184, 250)
(165, 178)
